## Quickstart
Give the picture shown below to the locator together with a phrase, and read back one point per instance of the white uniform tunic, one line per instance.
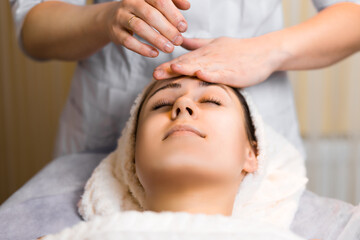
(105, 85)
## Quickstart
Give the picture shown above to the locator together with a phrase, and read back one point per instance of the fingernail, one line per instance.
(153, 53)
(181, 26)
(169, 47)
(176, 65)
(178, 40)
(158, 73)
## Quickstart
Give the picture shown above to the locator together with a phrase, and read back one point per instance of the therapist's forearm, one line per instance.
(57, 30)
(325, 39)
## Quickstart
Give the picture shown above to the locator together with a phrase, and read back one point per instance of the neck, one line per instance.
(207, 201)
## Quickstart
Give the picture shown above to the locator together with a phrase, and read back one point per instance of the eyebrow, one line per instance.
(178, 85)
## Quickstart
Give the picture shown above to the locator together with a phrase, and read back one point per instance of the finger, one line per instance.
(219, 76)
(182, 4)
(171, 12)
(155, 19)
(166, 70)
(142, 29)
(204, 75)
(131, 43)
(213, 76)
(195, 43)
(164, 73)
(185, 69)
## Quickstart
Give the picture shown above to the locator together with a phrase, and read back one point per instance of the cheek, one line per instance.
(228, 137)
(148, 131)
(148, 140)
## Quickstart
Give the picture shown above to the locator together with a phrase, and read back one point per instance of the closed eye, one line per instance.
(160, 104)
(211, 100)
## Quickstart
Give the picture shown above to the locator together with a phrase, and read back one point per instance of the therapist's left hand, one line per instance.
(230, 61)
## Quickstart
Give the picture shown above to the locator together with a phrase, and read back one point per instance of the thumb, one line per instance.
(195, 43)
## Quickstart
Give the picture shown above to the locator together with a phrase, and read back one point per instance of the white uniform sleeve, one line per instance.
(321, 4)
(20, 8)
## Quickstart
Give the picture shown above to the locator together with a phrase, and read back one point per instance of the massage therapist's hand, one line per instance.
(142, 17)
(64, 31)
(316, 43)
(234, 62)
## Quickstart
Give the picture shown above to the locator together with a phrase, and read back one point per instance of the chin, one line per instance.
(182, 159)
(188, 165)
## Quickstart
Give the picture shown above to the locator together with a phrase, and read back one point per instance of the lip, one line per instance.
(183, 127)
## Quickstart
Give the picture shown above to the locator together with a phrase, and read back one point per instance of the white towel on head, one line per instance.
(271, 194)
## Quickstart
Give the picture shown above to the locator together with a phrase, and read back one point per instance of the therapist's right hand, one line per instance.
(159, 22)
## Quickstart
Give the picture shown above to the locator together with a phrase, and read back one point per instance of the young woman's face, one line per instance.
(191, 132)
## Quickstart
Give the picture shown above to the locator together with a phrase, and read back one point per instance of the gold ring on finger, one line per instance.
(132, 18)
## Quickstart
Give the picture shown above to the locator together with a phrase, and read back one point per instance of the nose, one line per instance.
(184, 107)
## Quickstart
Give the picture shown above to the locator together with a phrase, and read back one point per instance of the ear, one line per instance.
(251, 162)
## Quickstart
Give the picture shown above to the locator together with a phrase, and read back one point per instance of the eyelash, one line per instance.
(161, 103)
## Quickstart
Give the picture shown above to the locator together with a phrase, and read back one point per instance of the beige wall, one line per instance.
(33, 94)
(327, 100)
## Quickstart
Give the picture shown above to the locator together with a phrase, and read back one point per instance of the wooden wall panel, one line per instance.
(32, 97)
